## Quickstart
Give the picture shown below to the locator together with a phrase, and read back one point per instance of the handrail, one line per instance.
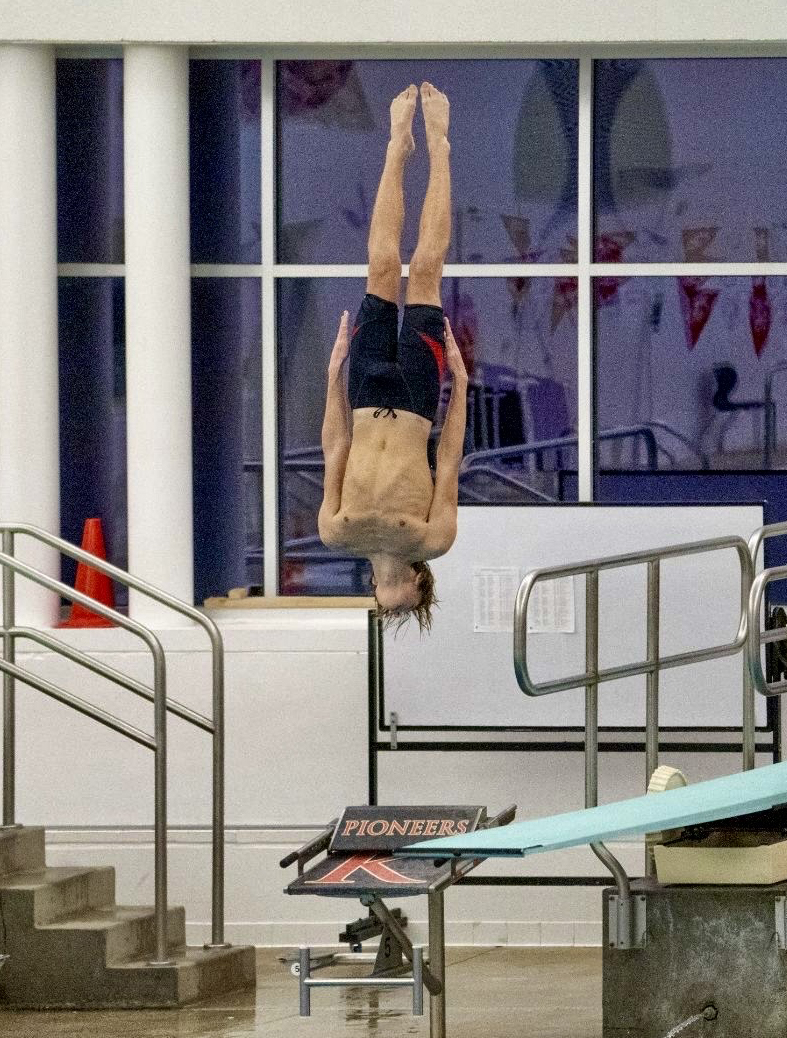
(681, 438)
(217, 730)
(80, 705)
(593, 676)
(11, 672)
(764, 533)
(617, 562)
(758, 637)
(501, 477)
(117, 676)
(643, 432)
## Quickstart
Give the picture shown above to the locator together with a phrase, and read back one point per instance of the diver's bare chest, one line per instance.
(364, 532)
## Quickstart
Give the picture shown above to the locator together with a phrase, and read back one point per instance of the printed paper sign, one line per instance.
(551, 607)
(494, 594)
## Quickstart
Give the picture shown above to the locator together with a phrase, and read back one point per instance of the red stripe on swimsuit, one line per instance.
(438, 350)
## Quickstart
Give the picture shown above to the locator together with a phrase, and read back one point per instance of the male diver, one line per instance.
(380, 501)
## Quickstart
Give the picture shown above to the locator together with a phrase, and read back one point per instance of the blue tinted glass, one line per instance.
(227, 416)
(513, 156)
(691, 373)
(519, 340)
(689, 158)
(90, 160)
(224, 123)
(93, 415)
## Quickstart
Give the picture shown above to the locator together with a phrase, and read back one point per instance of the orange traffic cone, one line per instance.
(91, 582)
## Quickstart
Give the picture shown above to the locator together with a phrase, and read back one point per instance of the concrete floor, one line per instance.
(492, 993)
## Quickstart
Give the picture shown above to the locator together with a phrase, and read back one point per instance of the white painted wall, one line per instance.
(381, 22)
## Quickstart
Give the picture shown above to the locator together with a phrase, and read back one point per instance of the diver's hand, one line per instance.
(341, 347)
(453, 357)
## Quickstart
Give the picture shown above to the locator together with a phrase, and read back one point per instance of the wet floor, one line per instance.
(492, 993)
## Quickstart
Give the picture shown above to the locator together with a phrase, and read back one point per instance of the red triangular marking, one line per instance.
(370, 863)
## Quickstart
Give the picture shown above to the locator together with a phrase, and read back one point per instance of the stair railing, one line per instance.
(651, 667)
(758, 637)
(12, 566)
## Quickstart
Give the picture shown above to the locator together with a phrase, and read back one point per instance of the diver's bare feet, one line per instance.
(435, 105)
(402, 112)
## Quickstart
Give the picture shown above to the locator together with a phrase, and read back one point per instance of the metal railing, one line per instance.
(756, 636)
(538, 447)
(651, 667)
(503, 478)
(157, 695)
(646, 433)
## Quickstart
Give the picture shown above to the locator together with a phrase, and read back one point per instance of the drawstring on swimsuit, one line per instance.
(384, 411)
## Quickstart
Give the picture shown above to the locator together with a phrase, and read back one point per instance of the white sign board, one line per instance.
(462, 674)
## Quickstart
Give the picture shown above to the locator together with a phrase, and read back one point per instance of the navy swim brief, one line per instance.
(397, 372)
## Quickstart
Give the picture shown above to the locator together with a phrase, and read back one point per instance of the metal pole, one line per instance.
(373, 688)
(591, 688)
(652, 687)
(748, 719)
(160, 826)
(437, 963)
(652, 677)
(9, 713)
(304, 972)
(418, 982)
(591, 742)
(217, 925)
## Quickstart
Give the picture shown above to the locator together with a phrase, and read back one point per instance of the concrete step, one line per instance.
(21, 849)
(46, 895)
(119, 932)
(197, 973)
(71, 946)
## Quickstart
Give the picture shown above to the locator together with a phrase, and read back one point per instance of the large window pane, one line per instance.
(93, 415)
(90, 160)
(689, 160)
(691, 373)
(224, 125)
(514, 157)
(519, 340)
(227, 413)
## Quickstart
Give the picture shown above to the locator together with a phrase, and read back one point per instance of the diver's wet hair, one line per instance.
(392, 618)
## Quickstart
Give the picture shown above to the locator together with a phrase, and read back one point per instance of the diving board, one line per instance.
(726, 797)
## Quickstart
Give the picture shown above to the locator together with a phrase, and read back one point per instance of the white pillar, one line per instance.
(158, 325)
(29, 440)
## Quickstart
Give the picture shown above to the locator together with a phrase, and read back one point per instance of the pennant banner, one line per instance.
(696, 303)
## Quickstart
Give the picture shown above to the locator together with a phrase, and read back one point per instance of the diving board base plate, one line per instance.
(710, 948)
(627, 924)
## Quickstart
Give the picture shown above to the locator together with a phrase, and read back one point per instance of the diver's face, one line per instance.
(399, 597)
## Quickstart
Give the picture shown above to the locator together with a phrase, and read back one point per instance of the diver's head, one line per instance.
(402, 589)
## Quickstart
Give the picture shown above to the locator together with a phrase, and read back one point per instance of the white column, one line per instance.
(29, 440)
(158, 325)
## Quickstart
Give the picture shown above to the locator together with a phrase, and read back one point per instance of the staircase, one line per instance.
(71, 947)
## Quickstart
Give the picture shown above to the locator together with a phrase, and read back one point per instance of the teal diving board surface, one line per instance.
(726, 797)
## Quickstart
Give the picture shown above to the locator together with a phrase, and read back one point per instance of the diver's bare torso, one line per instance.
(387, 489)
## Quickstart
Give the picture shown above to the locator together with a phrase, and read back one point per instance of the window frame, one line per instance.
(584, 270)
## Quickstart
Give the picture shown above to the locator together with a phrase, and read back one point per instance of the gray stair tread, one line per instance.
(190, 957)
(104, 918)
(34, 879)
